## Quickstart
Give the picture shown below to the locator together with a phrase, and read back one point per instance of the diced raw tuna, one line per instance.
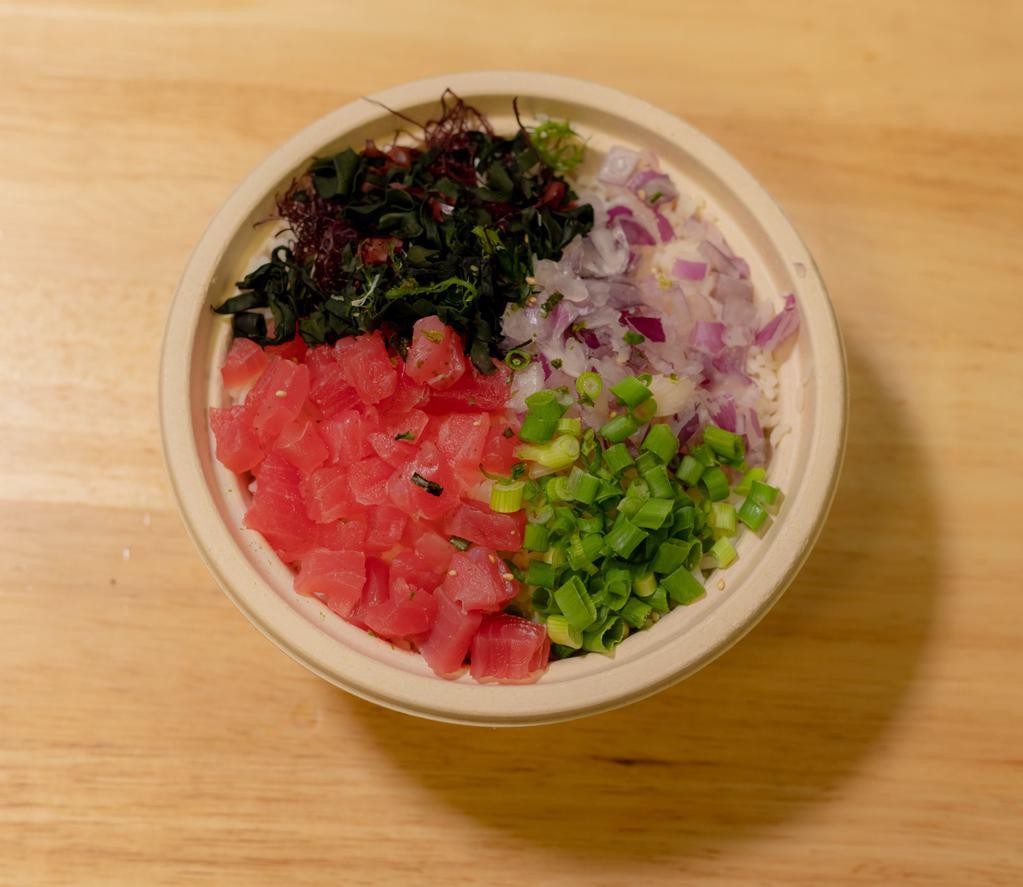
(328, 496)
(434, 549)
(300, 443)
(435, 357)
(499, 449)
(278, 510)
(394, 452)
(345, 434)
(244, 363)
(478, 580)
(413, 496)
(508, 649)
(407, 612)
(277, 398)
(386, 525)
(369, 478)
(342, 535)
(328, 387)
(453, 629)
(337, 577)
(477, 523)
(474, 391)
(367, 367)
(376, 590)
(408, 395)
(294, 349)
(237, 446)
(461, 438)
(415, 569)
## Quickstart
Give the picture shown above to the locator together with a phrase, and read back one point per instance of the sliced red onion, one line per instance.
(546, 364)
(779, 327)
(635, 233)
(725, 415)
(618, 166)
(683, 269)
(731, 360)
(587, 337)
(664, 228)
(733, 288)
(650, 327)
(615, 211)
(707, 336)
(657, 188)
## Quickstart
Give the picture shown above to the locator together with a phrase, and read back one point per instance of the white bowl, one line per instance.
(805, 464)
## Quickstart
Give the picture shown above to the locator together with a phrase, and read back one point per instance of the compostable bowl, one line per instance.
(805, 463)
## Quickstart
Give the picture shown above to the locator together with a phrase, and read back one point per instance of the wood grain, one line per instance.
(869, 731)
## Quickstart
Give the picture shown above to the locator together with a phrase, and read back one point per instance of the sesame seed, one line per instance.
(721, 584)
(280, 392)
(507, 577)
(531, 301)
(530, 280)
(641, 194)
(493, 559)
(452, 572)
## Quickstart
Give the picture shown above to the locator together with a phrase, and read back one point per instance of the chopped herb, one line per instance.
(405, 435)
(508, 432)
(557, 363)
(548, 305)
(460, 543)
(431, 486)
(634, 338)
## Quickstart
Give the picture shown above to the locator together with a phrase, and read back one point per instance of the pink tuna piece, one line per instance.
(453, 630)
(509, 649)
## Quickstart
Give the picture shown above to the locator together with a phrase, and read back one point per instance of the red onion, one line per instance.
(635, 233)
(618, 166)
(724, 415)
(657, 188)
(683, 269)
(664, 228)
(779, 327)
(650, 327)
(707, 336)
(617, 211)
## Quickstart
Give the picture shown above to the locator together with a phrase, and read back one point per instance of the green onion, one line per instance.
(722, 517)
(575, 602)
(635, 612)
(763, 493)
(725, 443)
(631, 391)
(618, 429)
(682, 586)
(506, 498)
(540, 573)
(561, 632)
(578, 556)
(563, 520)
(624, 536)
(557, 489)
(744, 486)
(661, 441)
(559, 453)
(685, 519)
(630, 505)
(634, 338)
(617, 458)
(645, 584)
(590, 524)
(431, 486)
(653, 513)
(582, 487)
(658, 482)
(536, 537)
(723, 552)
(608, 491)
(555, 556)
(570, 426)
(715, 481)
(670, 556)
(542, 600)
(645, 411)
(647, 460)
(538, 429)
(589, 386)
(605, 638)
(460, 543)
(752, 514)
(518, 359)
(659, 600)
(704, 455)
(689, 471)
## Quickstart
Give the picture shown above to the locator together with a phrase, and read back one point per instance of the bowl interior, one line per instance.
(804, 464)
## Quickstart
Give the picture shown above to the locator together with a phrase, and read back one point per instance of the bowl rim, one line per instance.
(392, 687)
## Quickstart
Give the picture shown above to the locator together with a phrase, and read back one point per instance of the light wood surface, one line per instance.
(869, 730)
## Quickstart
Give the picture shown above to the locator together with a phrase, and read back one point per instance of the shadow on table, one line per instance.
(764, 734)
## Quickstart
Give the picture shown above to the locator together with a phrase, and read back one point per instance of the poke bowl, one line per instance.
(502, 398)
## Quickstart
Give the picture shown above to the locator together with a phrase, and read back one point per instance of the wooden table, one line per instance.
(868, 731)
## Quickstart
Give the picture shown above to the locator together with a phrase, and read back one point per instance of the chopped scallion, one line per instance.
(631, 391)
